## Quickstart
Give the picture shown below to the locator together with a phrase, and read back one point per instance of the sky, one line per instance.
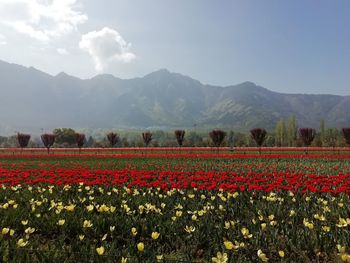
(295, 46)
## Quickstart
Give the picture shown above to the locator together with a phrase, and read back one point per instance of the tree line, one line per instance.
(284, 135)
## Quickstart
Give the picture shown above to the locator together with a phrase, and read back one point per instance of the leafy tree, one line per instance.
(147, 138)
(125, 142)
(270, 141)
(23, 139)
(180, 135)
(194, 139)
(230, 139)
(259, 136)
(240, 139)
(3, 141)
(322, 131)
(158, 137)
(80, 140)
(48, 140)
(281, 133)
(330, 137)
(346, 134)
(217, 137)
(65, 136)
(90, 142)
(307, 135)
(292, 129)
(113, 138)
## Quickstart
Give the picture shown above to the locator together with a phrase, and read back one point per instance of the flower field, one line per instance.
(191, 205)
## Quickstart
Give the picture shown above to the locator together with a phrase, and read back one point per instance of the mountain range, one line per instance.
(31, 99)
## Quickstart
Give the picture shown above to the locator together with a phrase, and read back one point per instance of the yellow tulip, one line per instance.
(140, 246)
(90, 208)
(87, 224)
(22, 243)
(326, 228)
(220, 258)
(100, 250)
(61, 222)
(70, 208)
(262, 256)
(5, 230)
(134, 231)
(228, 245)
(155, 235)
(29, 230)
(190, 229)
(245, 233)
(341, 248)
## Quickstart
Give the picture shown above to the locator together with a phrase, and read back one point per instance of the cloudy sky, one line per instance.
(287, 46)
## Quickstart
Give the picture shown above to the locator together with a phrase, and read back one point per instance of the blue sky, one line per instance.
(298, 46)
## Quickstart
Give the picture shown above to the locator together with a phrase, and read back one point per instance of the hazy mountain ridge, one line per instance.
(31, 99)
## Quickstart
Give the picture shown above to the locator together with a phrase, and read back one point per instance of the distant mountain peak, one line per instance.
(62, 74)
(104, 77)
(162, 71)
(248, 83)
(159, 72)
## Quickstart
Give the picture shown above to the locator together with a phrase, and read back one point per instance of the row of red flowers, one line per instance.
(181, 155)
(184, 149)
(167, 179)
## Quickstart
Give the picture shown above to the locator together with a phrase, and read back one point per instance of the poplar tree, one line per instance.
(322, 131)
(292, 129)
(281, 133)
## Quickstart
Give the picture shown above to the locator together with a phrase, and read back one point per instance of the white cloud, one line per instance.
(41, 19)
(2, 40)
(105, 46)
(62, 51)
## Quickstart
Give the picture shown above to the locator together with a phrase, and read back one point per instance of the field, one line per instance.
(175, 205)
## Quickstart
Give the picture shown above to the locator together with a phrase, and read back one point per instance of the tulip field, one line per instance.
(175, 205)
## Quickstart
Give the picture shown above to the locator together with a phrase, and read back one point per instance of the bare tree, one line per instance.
(217, 136)
(48, 140)
(346, 134)
(307, 135)
(147, 137)
(80, 140)
(113, 138)
(259, 136)
(180, 135)
(23, 140)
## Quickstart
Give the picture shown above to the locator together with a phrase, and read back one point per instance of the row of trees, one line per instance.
(306, 135)
(49, 140)
(79, 139)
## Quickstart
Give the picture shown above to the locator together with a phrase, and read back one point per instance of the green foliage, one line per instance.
(292, 129)
(281, 133)
(65, 136)
(346, 134)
